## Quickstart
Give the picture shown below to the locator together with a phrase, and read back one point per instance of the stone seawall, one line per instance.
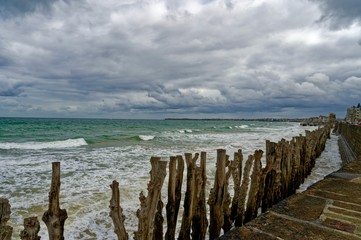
(349, 142)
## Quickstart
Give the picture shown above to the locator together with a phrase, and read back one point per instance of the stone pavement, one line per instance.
(329, 209)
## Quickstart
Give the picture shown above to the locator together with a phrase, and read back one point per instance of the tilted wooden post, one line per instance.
(176, 169)
(243, 192)
(216, 197)
(147, 212)
(55, 217)
(31, 229)
(5, 231)
(189, 198)
(116, 212)
(252, 203)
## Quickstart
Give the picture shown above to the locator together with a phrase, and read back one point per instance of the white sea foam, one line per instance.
(146, 137)
(242, 126)
(185, 131)
(45, 145)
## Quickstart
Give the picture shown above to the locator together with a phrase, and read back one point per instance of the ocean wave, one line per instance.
(185, 131)
(146, 137)
(242, 126)
(45, 145)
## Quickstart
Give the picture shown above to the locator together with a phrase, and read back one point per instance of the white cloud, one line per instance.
(319, 79)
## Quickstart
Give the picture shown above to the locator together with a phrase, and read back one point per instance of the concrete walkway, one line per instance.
(329, 209)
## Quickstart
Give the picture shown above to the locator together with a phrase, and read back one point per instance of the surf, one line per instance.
(69, 143)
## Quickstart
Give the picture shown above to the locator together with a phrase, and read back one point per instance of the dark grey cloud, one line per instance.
(10, 91)
(11, 8)
(340, 14)
(4, 61)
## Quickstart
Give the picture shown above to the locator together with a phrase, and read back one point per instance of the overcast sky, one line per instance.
(179, 58)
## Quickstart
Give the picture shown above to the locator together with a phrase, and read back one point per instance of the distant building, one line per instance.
(353, 114)
(320, 120)
(332, 118)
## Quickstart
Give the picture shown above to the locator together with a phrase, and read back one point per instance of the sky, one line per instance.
(179, 58)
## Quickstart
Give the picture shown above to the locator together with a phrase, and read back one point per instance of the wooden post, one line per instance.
(5, 231)
(243, 192)
(227, 200)
(252, 203)
(55, 217)
(284, 169)
(147, 212)
(158, 221)
(31, 229)
(116, 212)
(237, 176)
(277, 167)
(174, 194)
(216, 196)
(287, 167)
(267, 200)
(189, 198)
(200, 222)
(294, 163)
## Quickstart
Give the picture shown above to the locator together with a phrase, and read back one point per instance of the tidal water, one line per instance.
(94, 152)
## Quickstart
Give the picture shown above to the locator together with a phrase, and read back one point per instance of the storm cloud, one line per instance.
(340, 14)
(193, 58)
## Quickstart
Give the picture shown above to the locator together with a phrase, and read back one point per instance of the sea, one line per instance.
(94, 152)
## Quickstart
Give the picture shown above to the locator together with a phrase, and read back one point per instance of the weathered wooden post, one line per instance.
(287, 169)
(5, 231)
(310, 146)
(269, 173)
(200, 222)
(147, 212)
(55, 217)
(294, 163)
(277, 167)
(304, 158)
(31, 229)
(158, 221)
(284, 168)
(252, 203)
(237, 176)
(174, 194)
(227, 200)
(116, 212)
(216, 196)
(243, 192)
(189, 198)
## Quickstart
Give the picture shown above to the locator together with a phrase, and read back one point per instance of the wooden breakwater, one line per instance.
(255, 188)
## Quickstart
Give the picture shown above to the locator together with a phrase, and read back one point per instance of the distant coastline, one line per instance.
(243, 119)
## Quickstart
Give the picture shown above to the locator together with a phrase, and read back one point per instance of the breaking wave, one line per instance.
(69, 143)
(146, 137)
